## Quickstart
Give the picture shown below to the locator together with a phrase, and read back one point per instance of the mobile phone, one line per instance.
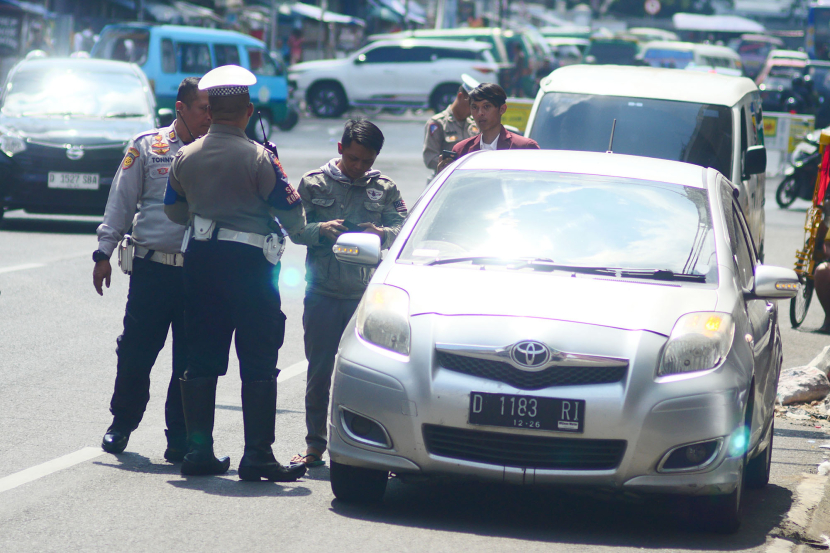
(449, 154)
(351, 226)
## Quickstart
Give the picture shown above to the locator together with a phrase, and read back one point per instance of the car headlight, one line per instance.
(698, 342)
(11, 145)
(383, 318)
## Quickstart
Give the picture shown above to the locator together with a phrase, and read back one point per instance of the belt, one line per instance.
(174, 259)
(257, 240)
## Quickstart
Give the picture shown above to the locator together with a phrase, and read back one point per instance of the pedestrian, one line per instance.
(487, 105)
(343, 195)
(443, 130)
(154, 302)
(229, 190)
(295, 46)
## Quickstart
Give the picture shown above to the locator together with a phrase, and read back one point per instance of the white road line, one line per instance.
(22, 267)
(294, 370)
(47, 468)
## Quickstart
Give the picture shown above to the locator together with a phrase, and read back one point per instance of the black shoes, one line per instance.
(199, 402)
(259, 409)
(176, 446)
(115, 440)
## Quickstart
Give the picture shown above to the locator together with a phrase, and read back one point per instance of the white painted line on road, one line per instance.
(22, 267)
(294, 370)
(47, 468)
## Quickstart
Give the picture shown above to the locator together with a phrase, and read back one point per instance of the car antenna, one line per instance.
(611, 142)
(268, 146)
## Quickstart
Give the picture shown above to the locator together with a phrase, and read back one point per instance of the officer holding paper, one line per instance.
(229, 190)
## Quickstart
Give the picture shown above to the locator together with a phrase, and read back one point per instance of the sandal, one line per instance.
(316, 460)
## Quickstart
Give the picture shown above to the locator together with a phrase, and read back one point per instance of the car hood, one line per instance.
(318, 64)
(75, 130)
(611, 302)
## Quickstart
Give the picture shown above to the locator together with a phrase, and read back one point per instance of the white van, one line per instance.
(695, 57)
(701, 118)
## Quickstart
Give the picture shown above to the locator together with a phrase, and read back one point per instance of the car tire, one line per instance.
(757, 471)
(800, 304)
(254, 130)
(292, 117)
(721, 513)
(327, 100)
(443, 96)
(787, 192)
(356, 484)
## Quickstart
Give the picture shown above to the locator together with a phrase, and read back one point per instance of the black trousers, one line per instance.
(231, 287)
(155, 302)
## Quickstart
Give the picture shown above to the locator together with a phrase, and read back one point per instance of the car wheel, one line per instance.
(327, 100)
(255, 129)
(787, 192)
(801, 302)
(757, 469)
(720, 513)
(356, 484)
(443, 96)
(292, 117)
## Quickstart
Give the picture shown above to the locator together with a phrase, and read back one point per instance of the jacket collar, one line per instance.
(503, 143)
(218, 128)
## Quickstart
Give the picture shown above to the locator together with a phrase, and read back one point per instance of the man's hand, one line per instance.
(332, 229)
(442, 163)
(369, 227)
(102, 272)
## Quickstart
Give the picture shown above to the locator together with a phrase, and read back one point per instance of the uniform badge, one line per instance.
(400, 206)
(159, 146)
(374, 194)
(474, 129)
(452, 138)
(129, 159)
(172, 136)
(433, 127)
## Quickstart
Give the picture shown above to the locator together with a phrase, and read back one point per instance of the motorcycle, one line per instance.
(800, 175)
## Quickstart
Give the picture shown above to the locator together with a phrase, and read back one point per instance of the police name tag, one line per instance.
(73, 181)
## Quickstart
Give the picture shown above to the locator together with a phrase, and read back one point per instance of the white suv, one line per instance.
(402, 73)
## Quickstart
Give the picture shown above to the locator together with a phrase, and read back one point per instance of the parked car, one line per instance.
(695, 57)
(64, 126)
(568, 50)
(702, 118)
(169, 53)
(612, 50)
(796, 85)
(754, 50)
(633, 343)
(402, 73)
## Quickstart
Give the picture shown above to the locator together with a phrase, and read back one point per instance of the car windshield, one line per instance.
(620, 53)
(74, 92)
(665, 57)
(566, 219)
(665, 129)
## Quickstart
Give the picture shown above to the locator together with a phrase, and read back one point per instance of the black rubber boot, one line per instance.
(259, 411)
(176, 446)
(199, 402)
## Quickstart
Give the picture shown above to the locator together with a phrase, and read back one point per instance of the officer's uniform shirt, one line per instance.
(442, 132)
(139, 184)
(233, 181)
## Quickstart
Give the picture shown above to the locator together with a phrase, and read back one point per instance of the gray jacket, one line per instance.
(139, 186)
(327, 194)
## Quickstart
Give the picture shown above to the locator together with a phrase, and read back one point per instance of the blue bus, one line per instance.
(817, 37)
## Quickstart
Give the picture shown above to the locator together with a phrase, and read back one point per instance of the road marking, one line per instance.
(22, 267)
(294, 370)
(47, 468)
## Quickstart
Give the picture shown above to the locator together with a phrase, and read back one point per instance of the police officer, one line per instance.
(229, 190)
(345, 194)
(154, 302)
(454, 124)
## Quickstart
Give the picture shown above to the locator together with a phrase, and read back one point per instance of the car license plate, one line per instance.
(73, 181)
(537, 413)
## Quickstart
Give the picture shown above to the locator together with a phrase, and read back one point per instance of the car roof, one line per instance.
(649, 82)
(184, 31)
(435, 43)
(588, 163)
(710, 49)
(82, 64)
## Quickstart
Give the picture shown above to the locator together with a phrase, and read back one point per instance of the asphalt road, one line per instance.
(57, 357)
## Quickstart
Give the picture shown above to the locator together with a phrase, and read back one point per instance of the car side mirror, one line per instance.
(358, 248)
(360, 59)
(773, 283)
(755, 160)
(166, 117)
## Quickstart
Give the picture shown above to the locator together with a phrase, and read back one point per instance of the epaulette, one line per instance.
(383, 177)
(318, 171)
(146, 133)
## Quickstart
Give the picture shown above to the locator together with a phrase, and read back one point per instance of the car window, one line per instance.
(457, 54)
(384, 54)
(665, 129)
(665, 57)
(193, 57)
(226, 54)
(261, 63)
(124, 45)
(168, 56)
(582, 220)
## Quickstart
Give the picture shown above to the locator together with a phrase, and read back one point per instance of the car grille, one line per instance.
(526, 380)
(520, 450)
(39, 160)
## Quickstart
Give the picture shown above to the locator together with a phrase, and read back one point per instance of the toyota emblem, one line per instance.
(530, 354)
(74, 153)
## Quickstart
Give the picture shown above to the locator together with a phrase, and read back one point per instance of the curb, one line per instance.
(807, 523)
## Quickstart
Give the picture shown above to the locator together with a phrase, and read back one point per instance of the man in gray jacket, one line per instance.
(344, 195)
(155, 301)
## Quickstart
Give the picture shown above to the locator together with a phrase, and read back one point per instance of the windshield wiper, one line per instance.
(545, 264)
(474, 259)
(123, 115)
(653, 274)
(661, 274)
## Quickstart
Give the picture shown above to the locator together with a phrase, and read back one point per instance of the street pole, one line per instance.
(140, 9)
(272, 41)
(324, 4)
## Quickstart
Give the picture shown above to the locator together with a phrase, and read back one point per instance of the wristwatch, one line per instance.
(98, 255)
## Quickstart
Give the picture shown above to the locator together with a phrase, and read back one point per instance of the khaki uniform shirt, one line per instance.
(442, 132)
(374, 199)
(234, 181)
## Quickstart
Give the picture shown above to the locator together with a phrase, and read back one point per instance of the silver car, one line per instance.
(565, 318)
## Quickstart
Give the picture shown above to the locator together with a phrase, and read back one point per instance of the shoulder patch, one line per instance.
(400, 206)
(433, 127)
(283, 196)
(374, 194)
(129, 159)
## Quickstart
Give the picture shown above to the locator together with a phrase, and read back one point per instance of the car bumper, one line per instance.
(650, 418)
